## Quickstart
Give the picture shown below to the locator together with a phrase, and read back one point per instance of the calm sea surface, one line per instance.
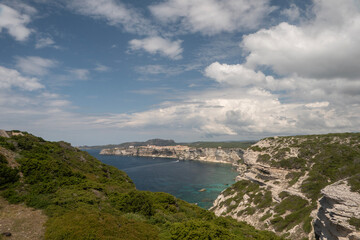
(182, 179)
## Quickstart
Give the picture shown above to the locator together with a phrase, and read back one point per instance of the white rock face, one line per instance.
(3, 133)
(337, 206)
(330, 219)
(217, 155)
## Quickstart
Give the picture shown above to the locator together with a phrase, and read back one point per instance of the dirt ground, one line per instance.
(22, 222)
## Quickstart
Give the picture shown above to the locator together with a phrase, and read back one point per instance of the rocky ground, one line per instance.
(21, 222)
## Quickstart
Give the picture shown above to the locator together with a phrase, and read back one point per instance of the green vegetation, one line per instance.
(256, 148)
(297, 211)
(354, 182)
(264, 158)
(243, 145)
(86, 199)
(8, 175)
(290, 203)
(294, 176)
(328, 158)
(355, 222)
(266, 216)
(260, 197)
(333, 162)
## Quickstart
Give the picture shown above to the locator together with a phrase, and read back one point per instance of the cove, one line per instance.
(183, 179)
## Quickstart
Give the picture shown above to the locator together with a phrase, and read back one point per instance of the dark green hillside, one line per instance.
(86, 199)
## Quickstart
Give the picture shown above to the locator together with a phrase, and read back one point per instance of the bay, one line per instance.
(183, 179)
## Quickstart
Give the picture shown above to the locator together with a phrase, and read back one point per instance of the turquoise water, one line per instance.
(182, 179)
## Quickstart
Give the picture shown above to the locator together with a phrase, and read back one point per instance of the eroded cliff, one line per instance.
(231, 155)
(283, 179)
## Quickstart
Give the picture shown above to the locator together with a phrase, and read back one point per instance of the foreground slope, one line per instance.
(301, 187)
(86, 199)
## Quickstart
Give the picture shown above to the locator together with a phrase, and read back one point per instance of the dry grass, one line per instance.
(21, 221)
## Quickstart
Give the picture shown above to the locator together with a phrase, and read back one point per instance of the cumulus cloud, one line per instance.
(210, 17)
(115, 13)
(234, 74)
(253, 112)
(323, 47)
(12, 78)
(158, 45)
(14, 22)
(292, 13)
(34, 65)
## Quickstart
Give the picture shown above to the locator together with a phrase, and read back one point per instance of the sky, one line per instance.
(109, 71)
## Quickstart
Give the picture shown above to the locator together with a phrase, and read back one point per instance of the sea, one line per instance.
(182, 178)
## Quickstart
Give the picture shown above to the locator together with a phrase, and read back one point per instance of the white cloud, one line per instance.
(213, 16)
(252, 112)
(101, 68)
(169, 70)
(33, 65)
(45, 42)
(292, 13)
(80, 73)
(14, 22)
(326, 46)
(234, 74)
(317, 105)
(115, 13)
(12, 78)
(158, 45)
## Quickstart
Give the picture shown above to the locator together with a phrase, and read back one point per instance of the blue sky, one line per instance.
(109, 71)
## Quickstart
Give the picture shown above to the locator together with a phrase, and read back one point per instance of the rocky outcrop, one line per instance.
(3, 133)
(8, 134)
(337, 207)
(277, 187)
(216, 155)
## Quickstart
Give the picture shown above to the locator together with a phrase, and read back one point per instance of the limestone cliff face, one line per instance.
(217, 155)
(292, 186)
(337, 207)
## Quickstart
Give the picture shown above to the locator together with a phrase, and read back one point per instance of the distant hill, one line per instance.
(156, 142)
(162, 142)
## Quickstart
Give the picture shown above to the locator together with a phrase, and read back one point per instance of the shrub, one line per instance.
(201, 230)
(264, 158)
(355, 222)
(8, 175)
(86, 224)
(135, 202)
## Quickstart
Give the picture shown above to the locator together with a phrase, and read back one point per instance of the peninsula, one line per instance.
(181, 152)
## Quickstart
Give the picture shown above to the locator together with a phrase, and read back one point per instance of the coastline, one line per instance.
(214, 155)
